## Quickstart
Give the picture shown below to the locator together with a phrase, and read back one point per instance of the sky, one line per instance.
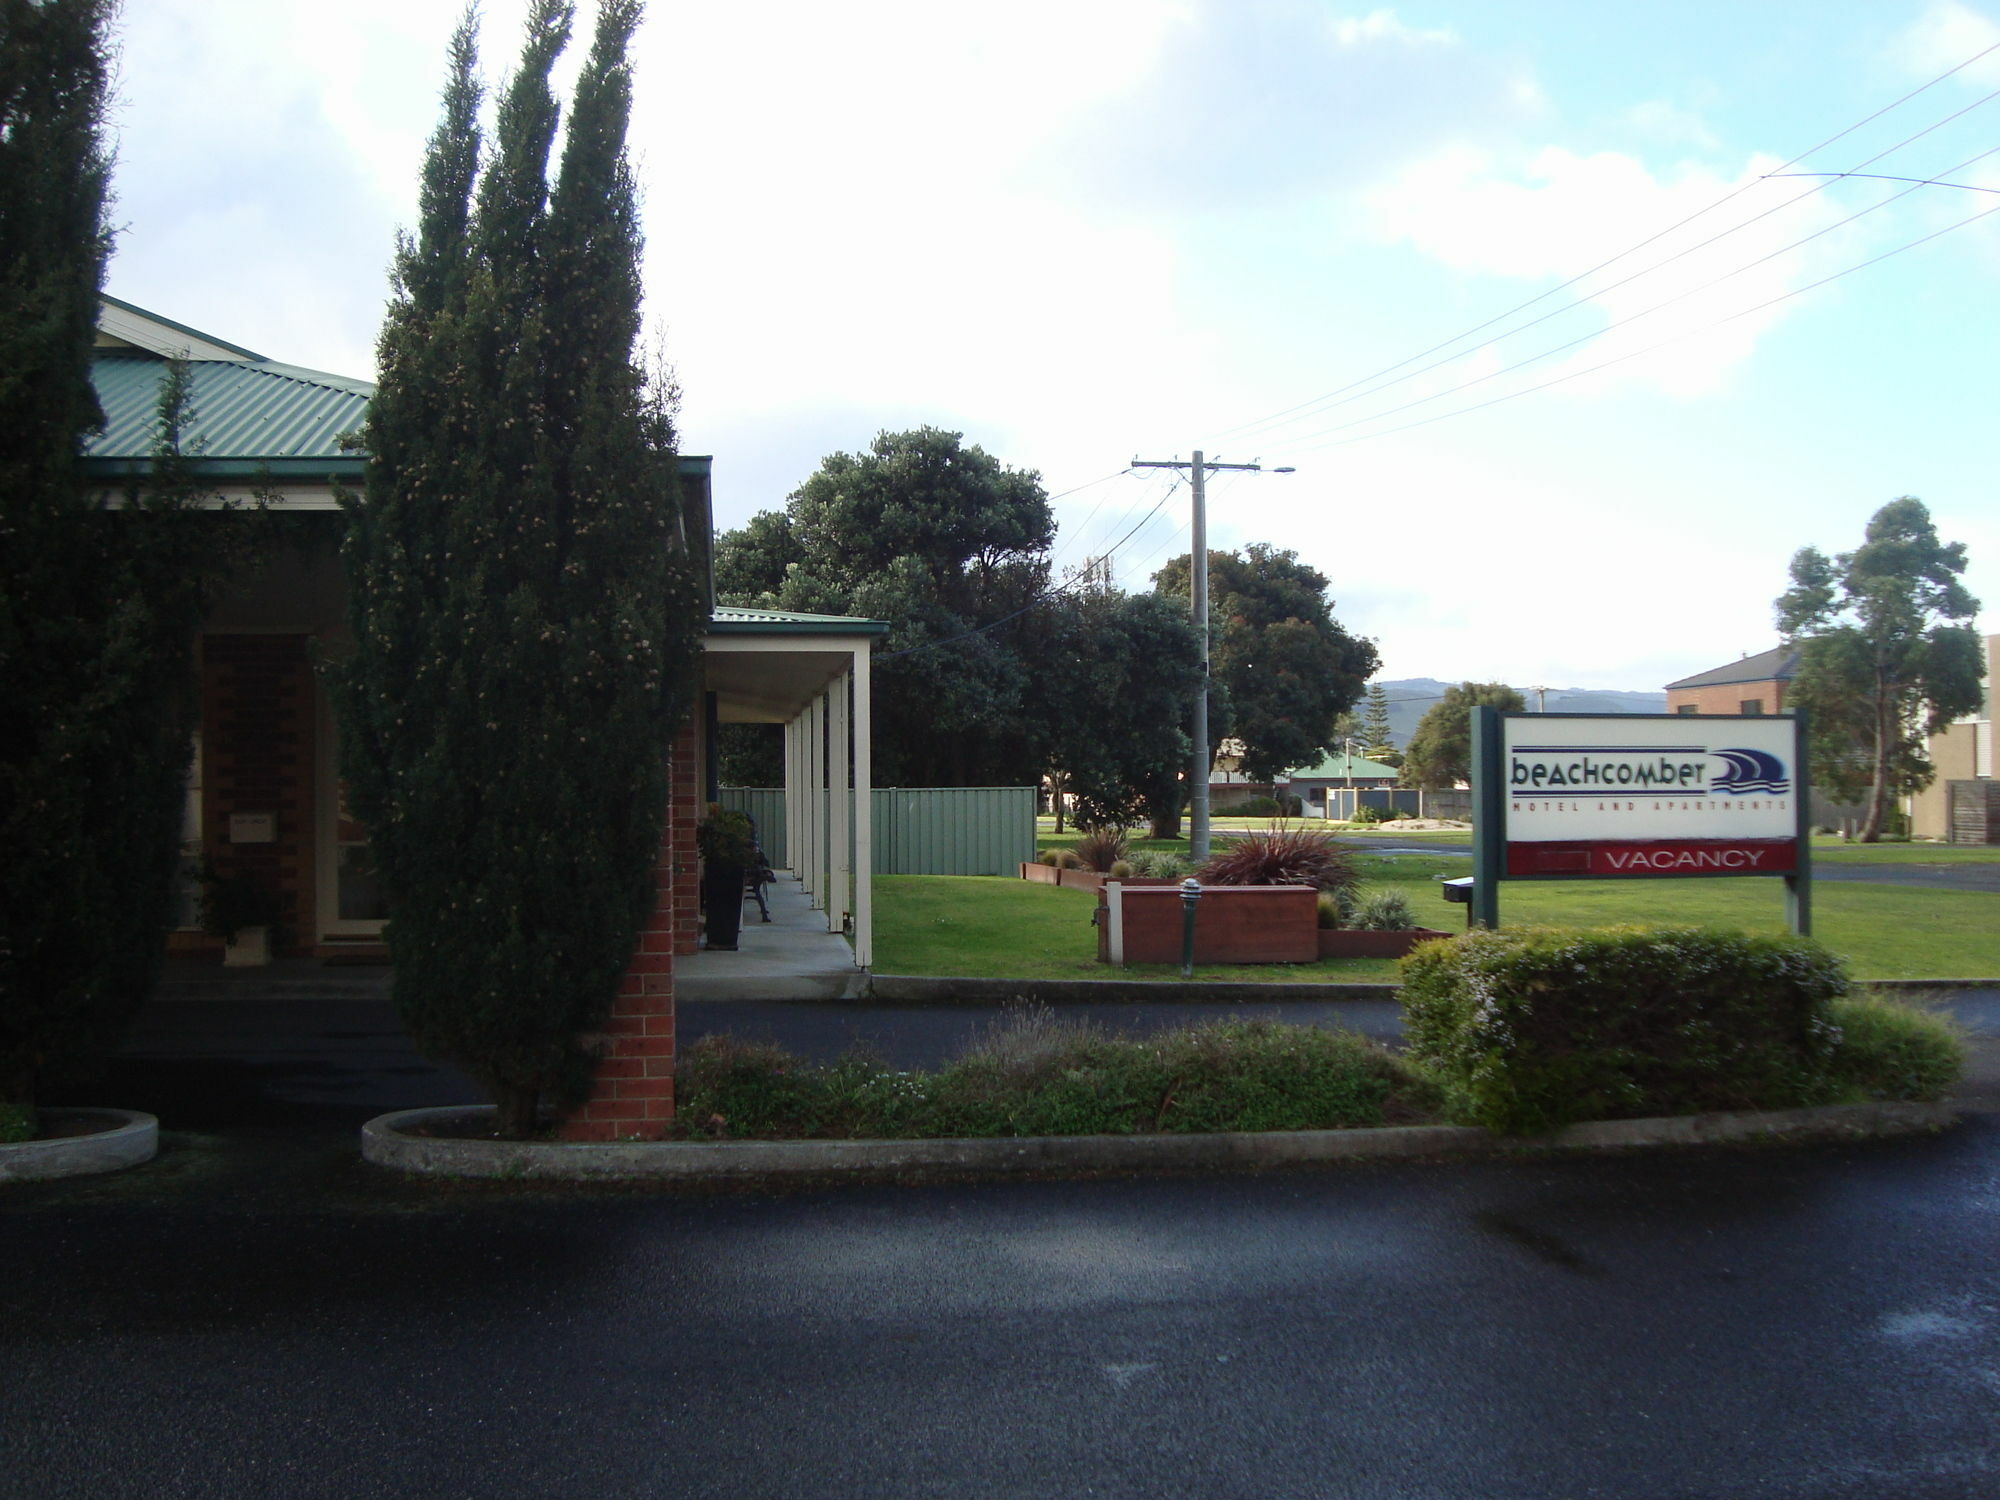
(1344, 238)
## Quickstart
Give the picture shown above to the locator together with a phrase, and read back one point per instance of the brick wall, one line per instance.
(1728, 698)
(635, 1078)
(257, 754)
(682, 813)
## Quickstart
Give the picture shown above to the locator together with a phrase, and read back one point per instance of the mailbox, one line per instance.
(1459, 891)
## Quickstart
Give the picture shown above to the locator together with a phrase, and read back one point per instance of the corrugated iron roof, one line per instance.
(729, 619)
(1338, 767)
(242, 411)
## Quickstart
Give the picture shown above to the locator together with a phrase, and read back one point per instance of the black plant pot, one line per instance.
(722, 905)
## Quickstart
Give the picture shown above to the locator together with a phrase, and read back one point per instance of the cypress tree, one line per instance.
(99, 605)
(525, 618)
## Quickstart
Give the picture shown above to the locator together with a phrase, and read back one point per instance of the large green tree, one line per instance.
(101, 598)
(950, 546)
(1122, 673)
(1288, 668)
(525, 624)
(1439, 754)
(1887, 655)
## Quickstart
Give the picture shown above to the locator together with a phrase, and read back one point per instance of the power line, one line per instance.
(1328, 403)
(1318, 401)
(1969, 187)
(1598, 333)
(1677, 338)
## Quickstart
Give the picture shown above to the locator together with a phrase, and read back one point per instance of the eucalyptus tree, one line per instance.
(1888, 655)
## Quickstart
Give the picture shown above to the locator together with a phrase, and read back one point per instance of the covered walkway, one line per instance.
(791, 957)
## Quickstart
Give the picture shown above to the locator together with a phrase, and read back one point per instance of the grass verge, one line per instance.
(999, 927)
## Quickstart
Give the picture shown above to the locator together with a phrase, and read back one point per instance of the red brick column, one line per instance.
(682, 813)
(634, 1095)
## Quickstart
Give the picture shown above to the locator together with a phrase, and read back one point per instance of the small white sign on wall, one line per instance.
(253, 828)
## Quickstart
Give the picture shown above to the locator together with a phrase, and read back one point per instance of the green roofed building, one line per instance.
(264, 795)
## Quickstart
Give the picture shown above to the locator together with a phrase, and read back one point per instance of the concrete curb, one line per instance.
(919, 989)
(136, 1139)
(384, 1142)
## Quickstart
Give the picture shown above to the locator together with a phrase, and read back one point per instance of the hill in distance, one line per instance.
(1411, 697)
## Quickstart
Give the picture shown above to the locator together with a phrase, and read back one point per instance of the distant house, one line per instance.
(1754, 685)
(1963, 755)
(1331, 787)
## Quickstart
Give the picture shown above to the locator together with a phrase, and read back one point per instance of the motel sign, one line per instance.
(1646, 796)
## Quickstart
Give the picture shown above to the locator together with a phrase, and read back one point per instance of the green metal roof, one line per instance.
(245, 414)
(730, 620)
(1339, 767)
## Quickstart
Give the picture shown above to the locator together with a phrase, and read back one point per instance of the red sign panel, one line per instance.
(1655, 857)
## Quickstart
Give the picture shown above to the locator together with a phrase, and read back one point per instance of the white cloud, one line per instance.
(1671, 125)
(1946, 35)
(1556, 213)
(1383, 26)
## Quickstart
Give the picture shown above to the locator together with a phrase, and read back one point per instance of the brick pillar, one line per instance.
(634, 1096)
(682, 813)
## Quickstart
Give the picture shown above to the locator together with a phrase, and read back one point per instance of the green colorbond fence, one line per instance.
(951, 830)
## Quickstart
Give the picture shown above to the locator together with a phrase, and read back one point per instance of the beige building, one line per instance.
(1962, 752)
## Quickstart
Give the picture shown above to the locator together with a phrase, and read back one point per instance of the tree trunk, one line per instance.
(1878, 786)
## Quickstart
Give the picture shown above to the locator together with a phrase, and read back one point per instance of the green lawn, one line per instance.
(1006, 928)
(1905, 854)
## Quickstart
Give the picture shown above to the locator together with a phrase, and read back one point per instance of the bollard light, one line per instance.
(1190, 894)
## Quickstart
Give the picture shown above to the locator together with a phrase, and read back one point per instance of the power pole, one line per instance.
(1198, 470)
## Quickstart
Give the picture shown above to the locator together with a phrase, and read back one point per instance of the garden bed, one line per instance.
(1353, 942)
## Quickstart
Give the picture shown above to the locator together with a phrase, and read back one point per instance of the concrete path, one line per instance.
(791, 957)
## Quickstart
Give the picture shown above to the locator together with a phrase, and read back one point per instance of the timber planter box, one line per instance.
(1349, 942)
(1234, 924)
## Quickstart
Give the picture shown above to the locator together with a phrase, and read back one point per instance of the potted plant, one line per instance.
(241, 909)
(727, 841)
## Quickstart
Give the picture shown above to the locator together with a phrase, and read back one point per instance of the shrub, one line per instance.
(1529, 1030)
(1161, 864)
(1369, 813)
(1890, 1049)
(1285, 857)
(1384, 911)
(1121, 869)
(1049, 857)
(1101, 848)
(1254, 807)
(1037, 1072)
(1336, 908)
(1068, 859)
(17, 1123)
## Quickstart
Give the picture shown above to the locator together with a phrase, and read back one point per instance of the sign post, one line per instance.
(1639, 796)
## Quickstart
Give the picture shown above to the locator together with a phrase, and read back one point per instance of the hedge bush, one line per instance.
(1529, 1030)
(1038, 1074)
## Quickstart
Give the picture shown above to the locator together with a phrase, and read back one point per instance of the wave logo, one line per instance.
(1750, 771)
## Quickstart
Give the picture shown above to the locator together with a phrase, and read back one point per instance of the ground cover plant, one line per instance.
(1038, 1073)
(1529, 1030)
